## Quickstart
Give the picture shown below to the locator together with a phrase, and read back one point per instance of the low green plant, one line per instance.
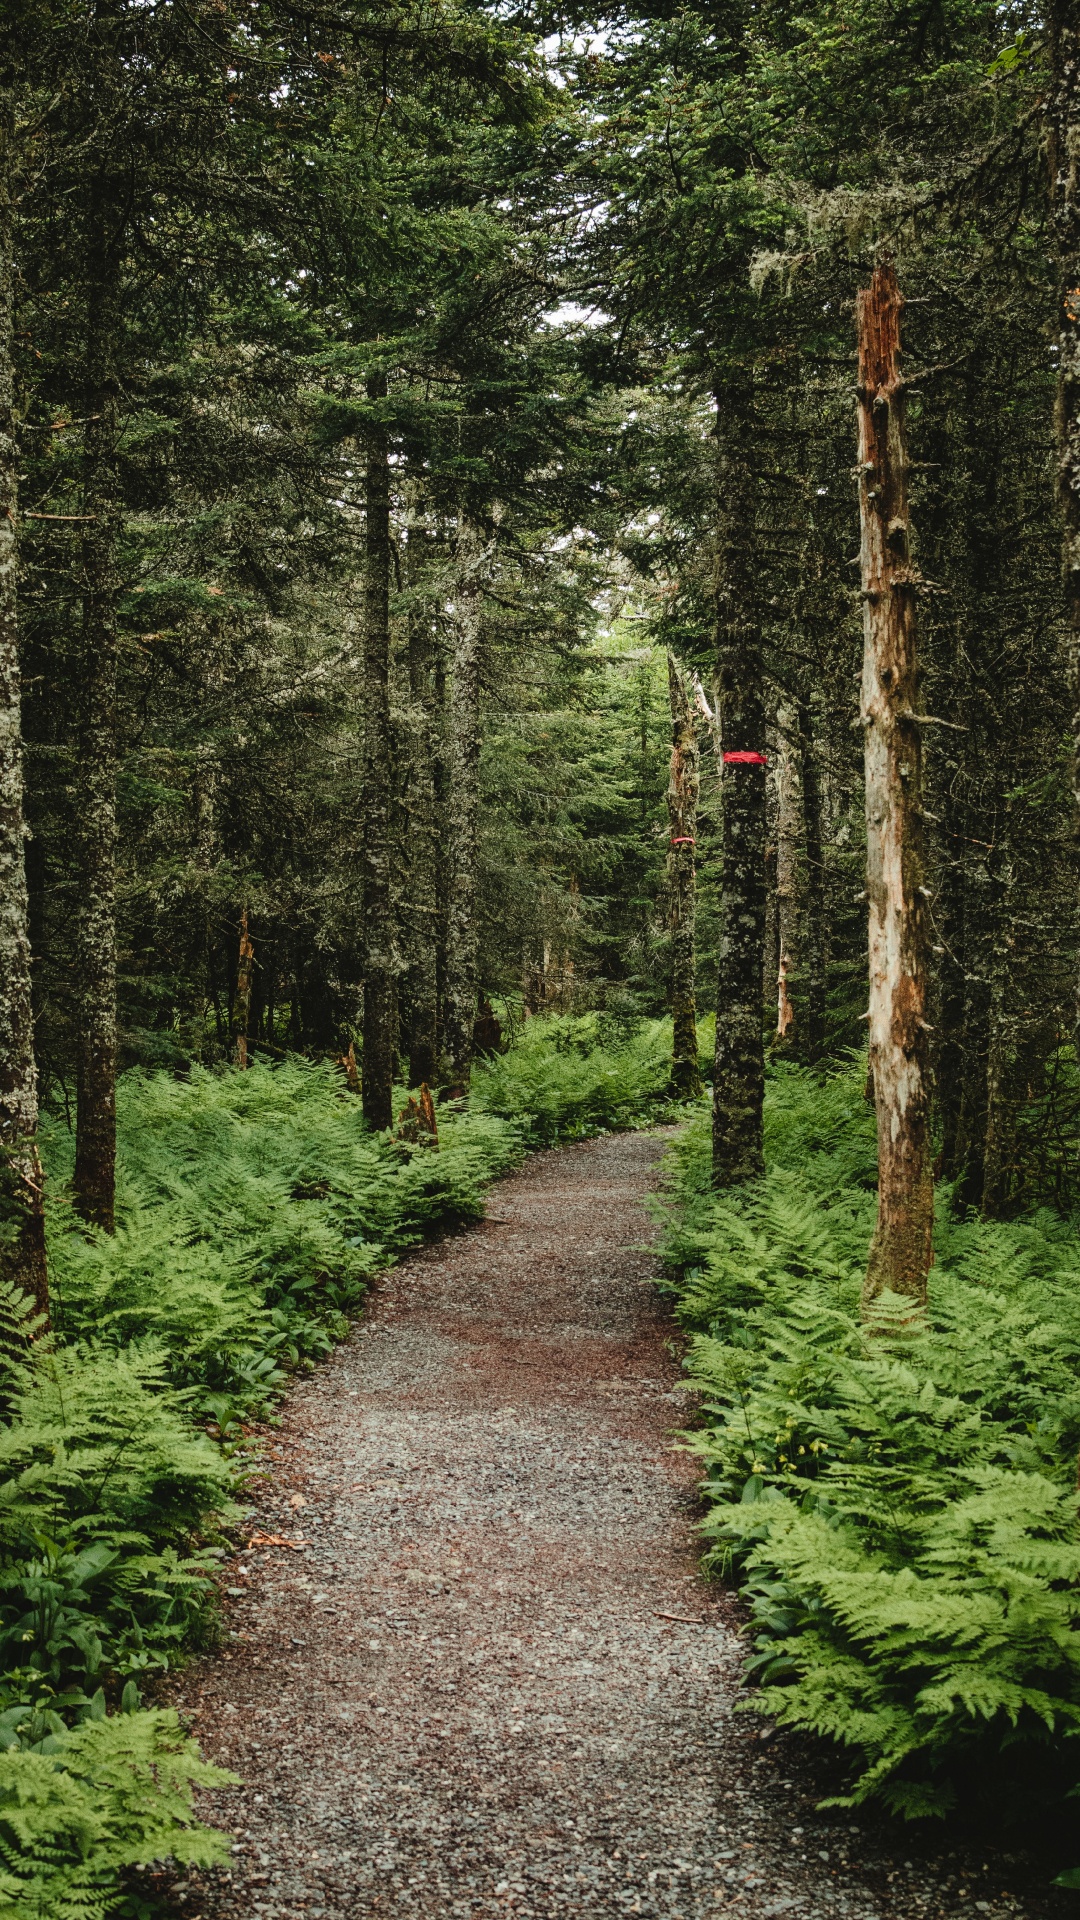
(253, 1209)
(82, 1806)
(897, 1496)
(569, 1075)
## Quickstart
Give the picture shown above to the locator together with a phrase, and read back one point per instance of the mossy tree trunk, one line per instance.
(420, 914)
(901, 1249)
(22, 1223)
(1063, 154)
(739, 1067)
(682, 802)
(380, 999)
(462, 812)
(95, 1133)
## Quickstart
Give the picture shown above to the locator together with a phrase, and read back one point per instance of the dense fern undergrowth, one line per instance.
(898, 1498)
(253, 1209)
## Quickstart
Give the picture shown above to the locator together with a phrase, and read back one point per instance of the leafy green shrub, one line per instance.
(899, 1498)
(82, 1806)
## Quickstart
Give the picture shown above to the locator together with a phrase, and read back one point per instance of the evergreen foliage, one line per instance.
(897, 1494)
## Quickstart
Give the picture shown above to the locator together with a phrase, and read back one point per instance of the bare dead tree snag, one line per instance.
(901, 1249)
(682, 802)
(22, 1251)
(350, 1068)
(241, 1007)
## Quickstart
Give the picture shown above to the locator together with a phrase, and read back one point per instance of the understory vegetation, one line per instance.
(253, 1209)
(896, 1492)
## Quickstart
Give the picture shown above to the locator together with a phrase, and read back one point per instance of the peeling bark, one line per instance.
(22, 1223)
(682, 802)
(241, 1006)
(739, 1068)
(380, 999)
(901, 1250)
(463, 805)
(95, 1133)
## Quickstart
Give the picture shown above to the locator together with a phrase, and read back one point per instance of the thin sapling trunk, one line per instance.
(682, 801)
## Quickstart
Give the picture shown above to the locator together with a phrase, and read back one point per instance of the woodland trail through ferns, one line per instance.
(490, 1680)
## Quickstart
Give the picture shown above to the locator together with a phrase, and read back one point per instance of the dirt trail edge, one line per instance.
(491, 1681)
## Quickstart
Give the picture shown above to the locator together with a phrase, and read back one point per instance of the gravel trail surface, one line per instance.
(485, 1677)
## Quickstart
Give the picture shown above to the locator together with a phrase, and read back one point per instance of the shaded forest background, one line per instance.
(392, 391)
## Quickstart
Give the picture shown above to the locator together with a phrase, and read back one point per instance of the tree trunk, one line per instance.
(901, 1250)
(787, 877)
(420, 904)
(739, 1069)
(1063, 154)
(241, 1006)
(22, 1222)
(95, 1132)
(815, 918)
(682, 801)
(463, 802)
(380, 1015)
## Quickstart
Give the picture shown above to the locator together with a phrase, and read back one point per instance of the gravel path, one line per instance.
(487, 1678)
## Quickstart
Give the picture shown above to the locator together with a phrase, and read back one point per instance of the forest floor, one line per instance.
(486, 1677)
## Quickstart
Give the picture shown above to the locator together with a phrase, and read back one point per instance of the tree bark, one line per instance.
(241, 1006)
(1063, 155)
(380, 1008)
(22, 1222)
(787, 878)
(95, 1132)
(420, 905)
(463, 804)
(739, 1067)
(682, 802)
(815, 918)
(901, 1250)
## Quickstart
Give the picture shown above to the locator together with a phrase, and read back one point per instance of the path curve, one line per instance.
(484, 1686)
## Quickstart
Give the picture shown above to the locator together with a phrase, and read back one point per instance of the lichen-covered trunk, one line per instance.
(682, 802)
(739, 1067)
(420, 907)
(815, 916)
(22, 1222)
(1063, 154)
(901, 1249)
(788, 822)
(380, 1008)
(241, 1006)
(462, 812)
(94, 1179)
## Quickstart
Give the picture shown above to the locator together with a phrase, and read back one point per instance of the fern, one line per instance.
(85, 1805)
(899, 1499)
